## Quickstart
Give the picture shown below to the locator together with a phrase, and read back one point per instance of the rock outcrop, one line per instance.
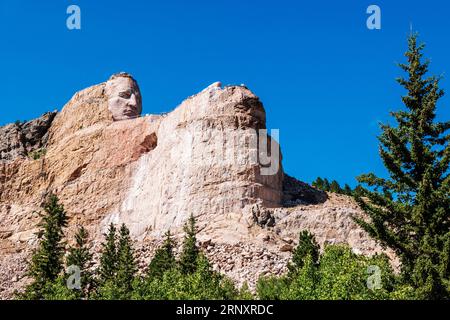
(152, 172)
(19, 140)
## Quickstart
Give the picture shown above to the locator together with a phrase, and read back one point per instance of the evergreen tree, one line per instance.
(410, 211)
(80, 256)
(126, 263)
(190, 252)
(47, 261)
(335, 187)
(318, 183)
(358, 191)
(163, 260)
(245, 293)
(108, 259)
(326, 185)
(347, 190)
(307, 246)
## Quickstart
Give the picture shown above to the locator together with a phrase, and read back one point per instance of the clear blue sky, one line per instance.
(324, 78)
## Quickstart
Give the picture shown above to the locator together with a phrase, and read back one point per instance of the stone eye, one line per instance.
(125, 94)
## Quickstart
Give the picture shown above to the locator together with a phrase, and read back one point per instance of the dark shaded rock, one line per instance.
(263, 217)
(19, 139)
(296, 192)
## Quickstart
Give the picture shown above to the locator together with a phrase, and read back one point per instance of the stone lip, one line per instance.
(18, 140)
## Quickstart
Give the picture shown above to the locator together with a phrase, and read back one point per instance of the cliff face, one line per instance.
(20, 139)
(152, 172)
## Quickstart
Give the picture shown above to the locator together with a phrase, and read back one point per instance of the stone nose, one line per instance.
(132, 101)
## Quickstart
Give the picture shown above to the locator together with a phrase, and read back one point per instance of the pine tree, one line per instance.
(307, 246)
(126, 263)
(410, 211)
(108, 259)
(80, 256)
(245, 293)
(347, 190)
(190, 252)
(47, 261)
(163, 260)
(326, 185)
(335, 187)
(318, 183)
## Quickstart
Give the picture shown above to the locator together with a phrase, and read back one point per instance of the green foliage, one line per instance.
(337, 274)
(166, 278)
(80, 256)
(190, 252)
(117, 266)
(245, 293)
(58, 290)
(326, 185)
(410, 211)
(202, 284)
(109, 290)
(108, 259)
(163, 260)
(318, 183)
(307, 246)
(126, 267)
(47, 261)
(347, 190)
(334, 186)
(37, 154)
(343, 276)
(321, 184)
(190, 278)
(271, 288)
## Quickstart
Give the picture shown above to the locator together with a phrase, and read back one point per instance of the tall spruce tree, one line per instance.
(47, 260)
(190, 252)
(108, 259)
(410, 211)
(80, 256)
(163, 260)
(347, 190)
(326, 185)
(318, 183)
(307, 246)
(335, 187)
(126, 263)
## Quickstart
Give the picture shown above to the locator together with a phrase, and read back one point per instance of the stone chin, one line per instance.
(124, 97)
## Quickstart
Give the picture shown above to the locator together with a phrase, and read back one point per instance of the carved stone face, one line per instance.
(124, 97)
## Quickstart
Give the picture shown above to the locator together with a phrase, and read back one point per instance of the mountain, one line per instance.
(109, 164)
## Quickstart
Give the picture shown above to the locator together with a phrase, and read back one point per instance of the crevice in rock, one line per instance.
(77, 173)
(150, 142)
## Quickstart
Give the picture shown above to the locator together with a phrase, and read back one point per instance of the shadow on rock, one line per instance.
(296, 193)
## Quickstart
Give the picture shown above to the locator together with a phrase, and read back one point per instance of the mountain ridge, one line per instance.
(108, 164)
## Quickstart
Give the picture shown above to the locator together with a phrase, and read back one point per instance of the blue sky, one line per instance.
(324, 78)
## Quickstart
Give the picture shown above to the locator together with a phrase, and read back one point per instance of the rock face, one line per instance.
(194, 167)
(108, 165)
(124, 97)
(296, 192)
(20, 139)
